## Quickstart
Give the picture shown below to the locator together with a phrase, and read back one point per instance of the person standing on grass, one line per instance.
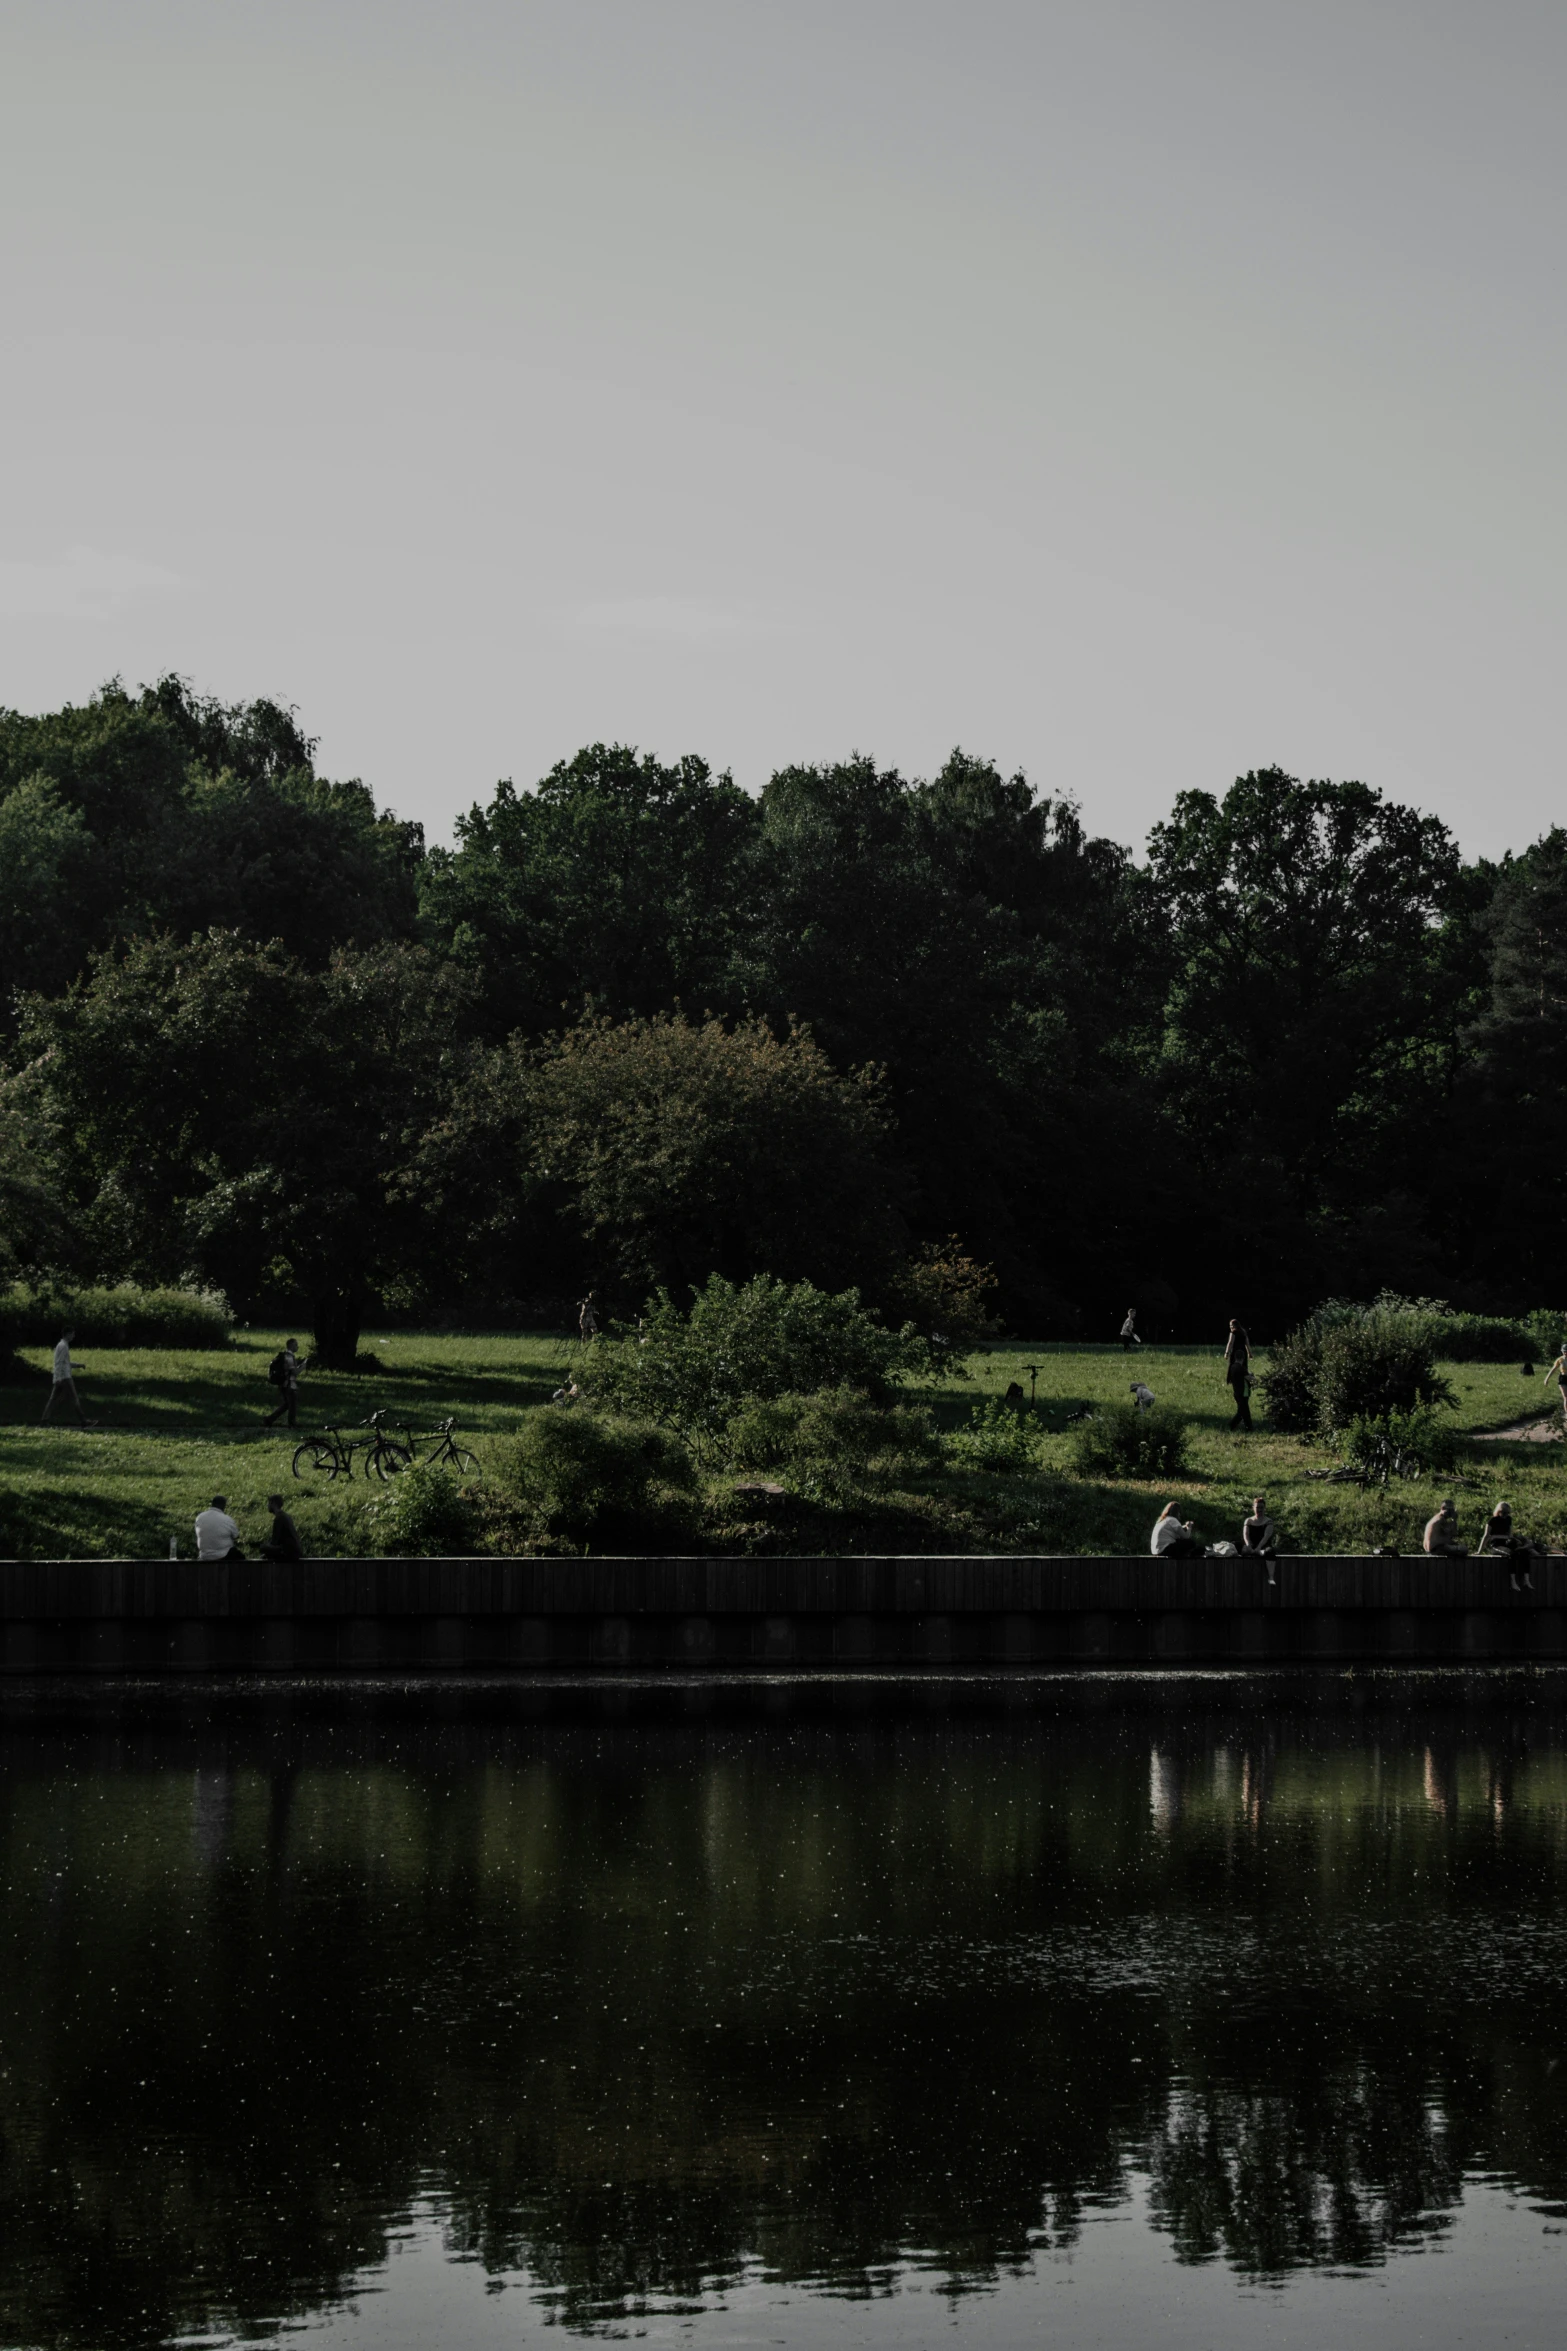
(285, 1543)
(63, 1389)
(1237, 1373)
(588, 1317)
(217, 1537)
(1129, 1338)
(1558, 1372)
(284, 1372)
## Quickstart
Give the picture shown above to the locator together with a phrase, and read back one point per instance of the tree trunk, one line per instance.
(336, 1317)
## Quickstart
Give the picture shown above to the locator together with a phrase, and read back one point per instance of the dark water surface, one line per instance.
(1121, 2011)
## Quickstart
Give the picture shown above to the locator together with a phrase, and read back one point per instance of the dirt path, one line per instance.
(1528, 1432)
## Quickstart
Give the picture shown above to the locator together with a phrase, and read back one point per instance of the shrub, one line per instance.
(584, 1476)
(1119, 1441)
(764, 1338)
(996, 1437)
(424, 1514)
(1400, 1444)
(1351, 1362)
(948, 1294)
(124, 1316)
(826, 1445)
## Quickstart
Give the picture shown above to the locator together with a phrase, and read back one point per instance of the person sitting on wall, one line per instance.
(1174, 1537)
(1441, 1535)
(1260, 1537)
(217, 1537)
(1500, 1542)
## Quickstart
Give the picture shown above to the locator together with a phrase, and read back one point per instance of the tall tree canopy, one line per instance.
(649, 1026)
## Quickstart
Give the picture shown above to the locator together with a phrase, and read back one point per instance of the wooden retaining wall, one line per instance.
(391, 1615)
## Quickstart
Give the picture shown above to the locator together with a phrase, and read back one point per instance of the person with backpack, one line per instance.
(284, 1372)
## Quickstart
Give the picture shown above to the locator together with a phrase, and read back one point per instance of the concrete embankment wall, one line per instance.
(419, 1615)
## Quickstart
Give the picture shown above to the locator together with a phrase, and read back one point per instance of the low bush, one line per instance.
(589, 1478)
(424, 1514)
(996, 1436)
(1400, 1444)
(124, 1316)
(827, 1445)
(1346, 1363)
(765, 1338)
(1117, 1440)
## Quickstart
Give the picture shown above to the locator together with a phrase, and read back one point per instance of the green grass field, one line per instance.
(170, 1429)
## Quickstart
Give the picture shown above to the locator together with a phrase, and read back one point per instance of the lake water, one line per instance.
(1118, 2011)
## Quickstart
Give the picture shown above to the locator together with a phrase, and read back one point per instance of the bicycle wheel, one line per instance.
(387, 1458)
(312, 1454)
(465, 1464)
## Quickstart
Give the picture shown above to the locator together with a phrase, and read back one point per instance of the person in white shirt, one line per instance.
(1129, 1338)
(1174, 1537)
(1144, 1395)
(63, 1390)
(217, 1537)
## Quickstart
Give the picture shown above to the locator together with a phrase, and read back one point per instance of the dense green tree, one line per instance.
(218, 1108)
(1512, 1108)
(612, 884)
(672, 1149)
(166, 810)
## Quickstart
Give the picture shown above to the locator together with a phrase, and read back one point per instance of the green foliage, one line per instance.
(827, 1445)
(614, 883)
(680, 1148)
(1349, 1362)
(1400, 1444)
(1118, 1441)
(424, 1514)
(165, 809)
(996, 1436)
(757, 1339)
(594, 1479)
(218, 1105)
(34, 1315)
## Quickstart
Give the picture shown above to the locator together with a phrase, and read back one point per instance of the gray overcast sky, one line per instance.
(1135, 392)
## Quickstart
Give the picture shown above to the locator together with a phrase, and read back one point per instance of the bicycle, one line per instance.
(449, 1455)
(327, 1452)
(385, 1455)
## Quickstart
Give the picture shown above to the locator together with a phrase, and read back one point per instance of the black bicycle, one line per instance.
(333, 1453)
(449, 1455)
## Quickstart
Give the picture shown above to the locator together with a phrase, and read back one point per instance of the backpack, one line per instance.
(277, 1369)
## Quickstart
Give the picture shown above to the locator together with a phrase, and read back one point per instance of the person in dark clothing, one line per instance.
(1237, 1372)
(1500, 1541)
(284, 1371)
(285, 1542)
(1260, 1537)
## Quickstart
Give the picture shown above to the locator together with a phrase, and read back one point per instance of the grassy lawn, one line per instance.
(170, 1429)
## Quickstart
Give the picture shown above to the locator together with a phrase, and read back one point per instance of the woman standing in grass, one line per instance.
(1237, 1373)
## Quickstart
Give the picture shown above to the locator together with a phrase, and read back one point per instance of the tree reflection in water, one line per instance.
(643, 2004)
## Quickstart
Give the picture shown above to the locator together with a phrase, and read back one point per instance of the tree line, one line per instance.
(638, 1026)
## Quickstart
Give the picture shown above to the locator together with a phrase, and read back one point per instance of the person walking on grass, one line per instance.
(285, 1542)
(63, 1388)
(1129, 1338)
(1237, 1373)
(588, 1317)
(217, 1537)
(1558, 1372)
(284, 1372)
